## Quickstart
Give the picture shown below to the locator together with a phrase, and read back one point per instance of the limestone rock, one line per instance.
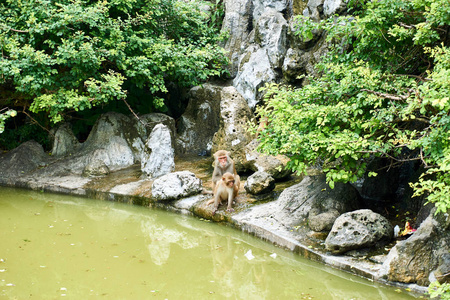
(159, 159)
(258, 63)
(232, 134)
(293, 65)
(322, 221)
(118, 137)
(332, 7)
(262, 6)
(259, 183)
(147, 122)
(64, 141)
(273, 165)
(25, 158)
(176, 185)
(424, 256)
(201, 119)
(294, 204)
(271, 34)
(358, 229)
(95, 167)
(253, 75)
(314, 10)
(238, 22)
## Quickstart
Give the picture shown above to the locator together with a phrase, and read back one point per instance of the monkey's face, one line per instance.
(222, 160)
(230, 183)
(228, 179)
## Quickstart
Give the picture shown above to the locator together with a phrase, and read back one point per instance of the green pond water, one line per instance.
(66, 247)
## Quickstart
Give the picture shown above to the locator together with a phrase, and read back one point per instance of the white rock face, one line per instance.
(259, 60)
(176, 185)
(160, 160)
(331, 7)
(253, 75)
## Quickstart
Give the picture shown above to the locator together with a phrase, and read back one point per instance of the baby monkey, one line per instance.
(226, 189)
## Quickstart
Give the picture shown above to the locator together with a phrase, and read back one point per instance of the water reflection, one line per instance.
(160, 238)
(54, 246)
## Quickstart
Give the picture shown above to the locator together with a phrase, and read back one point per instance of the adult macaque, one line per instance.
(226, 189)
(222, 164)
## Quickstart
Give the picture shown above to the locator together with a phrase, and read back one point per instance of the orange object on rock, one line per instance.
(408, 230)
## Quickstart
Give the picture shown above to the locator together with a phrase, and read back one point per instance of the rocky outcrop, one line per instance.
(147, 122)
(233, 135)
(311, 196)
(259, 63)
(26, 158)
(358, 229)
(119, 137)
(200, 121)
(423, 257)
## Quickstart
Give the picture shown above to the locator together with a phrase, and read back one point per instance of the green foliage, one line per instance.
(439, 290)
(383, 91)
(27, 130)
(5, 114)
(73, 55)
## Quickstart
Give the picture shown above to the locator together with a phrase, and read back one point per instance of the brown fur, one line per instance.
(222, 168)
(226, 189)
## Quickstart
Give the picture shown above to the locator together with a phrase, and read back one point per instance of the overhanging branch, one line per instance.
(388, 96)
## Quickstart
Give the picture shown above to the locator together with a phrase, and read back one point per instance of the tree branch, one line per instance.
(388, 96)
(15, 30)
(136, 116)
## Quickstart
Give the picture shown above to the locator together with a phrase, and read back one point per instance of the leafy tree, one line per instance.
(440, 291)
(383, 91)
(59, 57)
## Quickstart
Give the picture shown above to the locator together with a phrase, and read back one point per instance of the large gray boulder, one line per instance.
(423, 257)
(118, 136)
(259, 183)
(26, 158)
(176, 185)
(200, 121)
(64, 141)
(159, 157)
(358, 229)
